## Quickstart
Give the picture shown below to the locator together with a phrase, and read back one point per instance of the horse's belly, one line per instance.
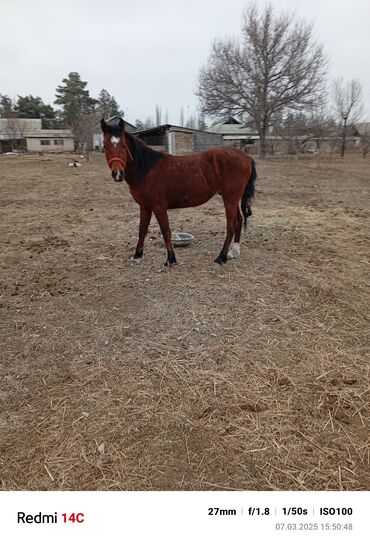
(188, 189)
(188, 199)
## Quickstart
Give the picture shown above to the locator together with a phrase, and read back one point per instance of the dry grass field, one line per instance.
(118, 376)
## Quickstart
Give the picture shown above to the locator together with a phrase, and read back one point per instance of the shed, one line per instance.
(178, 140)
(28, 135)
(234, 133)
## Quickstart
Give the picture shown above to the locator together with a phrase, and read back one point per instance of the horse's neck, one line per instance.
(133, 175)
(142, 160)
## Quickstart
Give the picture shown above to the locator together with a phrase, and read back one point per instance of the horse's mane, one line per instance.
(143, 156)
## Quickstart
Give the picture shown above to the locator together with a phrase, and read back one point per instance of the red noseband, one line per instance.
(123, 163)
(119, 159)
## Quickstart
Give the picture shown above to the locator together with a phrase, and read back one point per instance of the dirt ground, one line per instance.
(134, 377)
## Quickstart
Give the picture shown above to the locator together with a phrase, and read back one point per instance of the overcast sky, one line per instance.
(148, 52)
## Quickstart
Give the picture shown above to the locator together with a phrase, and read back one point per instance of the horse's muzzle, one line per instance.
(118, 175)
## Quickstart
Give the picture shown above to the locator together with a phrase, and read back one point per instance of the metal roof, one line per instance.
(169, 127)
(251, 136)
(363, 129)
(165, 127)
(49, 133)
(233, 129)
(42, 133)
(114, 121)
(17, 128)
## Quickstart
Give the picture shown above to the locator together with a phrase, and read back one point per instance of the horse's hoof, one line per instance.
(234, 251)
(170, 264)
(216, 265)
(220, 260)
(135, 259)
(137, 255)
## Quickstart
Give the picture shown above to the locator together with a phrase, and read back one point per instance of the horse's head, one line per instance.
(115, 149)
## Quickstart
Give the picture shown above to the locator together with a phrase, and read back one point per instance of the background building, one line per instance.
(235, 133)
(178, 140)
(19, 134)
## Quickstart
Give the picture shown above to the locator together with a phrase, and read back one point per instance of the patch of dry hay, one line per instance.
(118, 376)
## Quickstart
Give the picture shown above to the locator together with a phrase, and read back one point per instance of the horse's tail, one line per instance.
(248, 194)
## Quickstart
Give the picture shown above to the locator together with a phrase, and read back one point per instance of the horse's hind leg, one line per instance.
(234, 250)
(230, 210)
(145, 217)
(162, 218)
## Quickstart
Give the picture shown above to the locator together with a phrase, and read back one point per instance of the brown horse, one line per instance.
(160, 181)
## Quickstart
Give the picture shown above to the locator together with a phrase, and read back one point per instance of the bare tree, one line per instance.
(16, 128)
(201, 122)
(148, 123)
(299, 129)
(292, 129)
(321, 125)
(84, 131)
(158, 115)
(348, 106)
(191, 122)
(277, 66)
(182, 117)
(365, 141)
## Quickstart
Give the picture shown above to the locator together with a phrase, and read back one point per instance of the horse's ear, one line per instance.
(103, 125)
(121, 124)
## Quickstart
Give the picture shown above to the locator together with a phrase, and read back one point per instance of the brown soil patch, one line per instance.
(123, 376)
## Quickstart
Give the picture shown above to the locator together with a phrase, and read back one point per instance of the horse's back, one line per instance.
(230, 165)
(220, 157)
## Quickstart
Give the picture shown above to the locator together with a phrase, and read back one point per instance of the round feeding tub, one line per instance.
(181, 239)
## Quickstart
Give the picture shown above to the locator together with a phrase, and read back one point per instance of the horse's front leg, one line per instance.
(145, 217)
(162, 218)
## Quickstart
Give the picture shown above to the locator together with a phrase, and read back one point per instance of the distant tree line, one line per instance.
(76, 109)
(192, 121)
(275, 80)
